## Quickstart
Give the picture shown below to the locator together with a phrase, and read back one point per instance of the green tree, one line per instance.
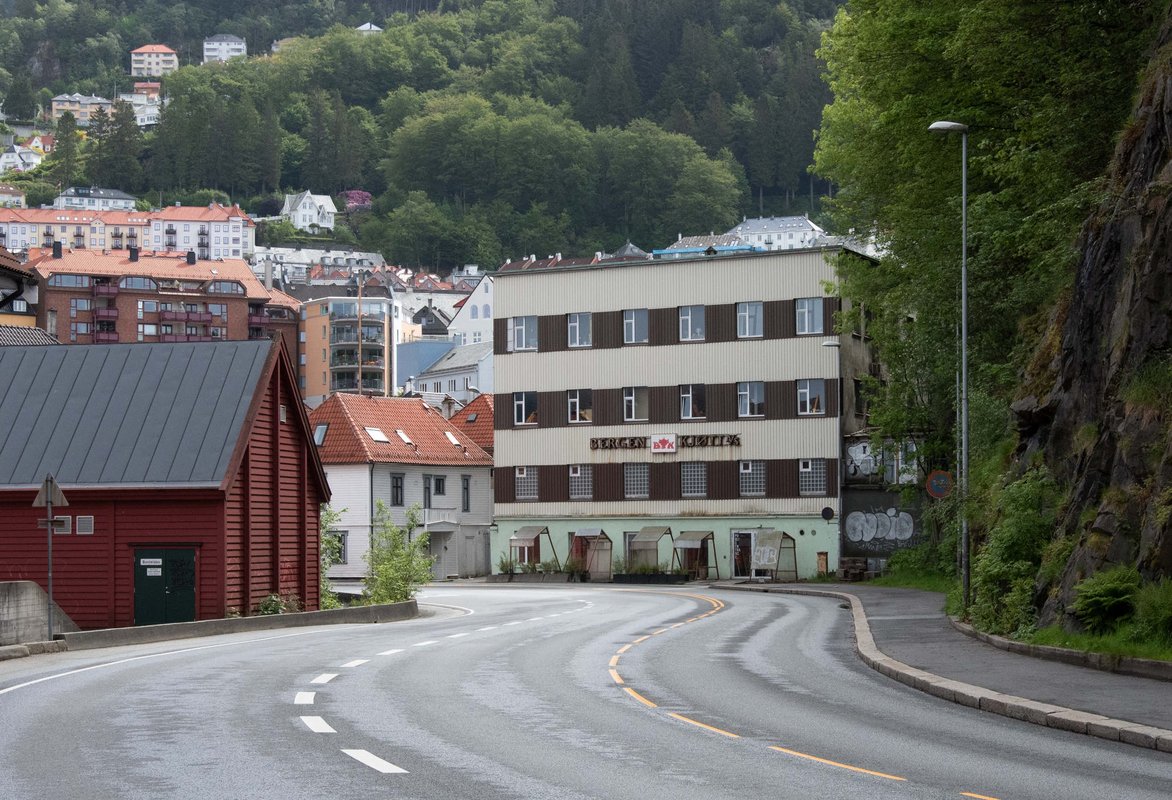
(398, 563)
(20, 102)
(115, 146)
(66, 156)
(331, 553)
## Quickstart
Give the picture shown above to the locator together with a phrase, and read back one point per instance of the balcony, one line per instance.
(173, 337)
(199, 316)
(105, 337)
(105, 313)
(433, 515)
(132, 236)
(173, 316)
(259, 320)
(105, 290)
(170, 230)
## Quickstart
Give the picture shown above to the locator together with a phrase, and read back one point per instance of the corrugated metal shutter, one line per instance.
(608, 482)
(832, 398)
(775, 478)
(778, 322)
(722, 323)
(551, 333)
(503, 484)
(722, 401)
(607, 329)
(608, 406)
(500, 336)
(665, 480)
(787, 479)
(553, 483)
(723, 480)
(665, 404)
(830, 307)
(552, 410)
(664, 326)
(774, 399)
(502, 411)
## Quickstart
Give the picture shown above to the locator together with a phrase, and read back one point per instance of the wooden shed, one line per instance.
(192, 480)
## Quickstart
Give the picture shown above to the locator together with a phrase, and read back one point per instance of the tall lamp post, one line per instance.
(943, 126)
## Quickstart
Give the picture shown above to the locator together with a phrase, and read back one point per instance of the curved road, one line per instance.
(529, 692)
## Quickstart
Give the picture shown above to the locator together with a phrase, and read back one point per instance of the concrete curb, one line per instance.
(1124, 665)
(1020, 708)
(146, 634)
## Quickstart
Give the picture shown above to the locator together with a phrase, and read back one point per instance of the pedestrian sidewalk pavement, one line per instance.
(905, 634)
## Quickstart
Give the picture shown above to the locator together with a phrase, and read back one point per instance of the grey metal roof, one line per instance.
(461, 357)
(125, 414)
(12, 335)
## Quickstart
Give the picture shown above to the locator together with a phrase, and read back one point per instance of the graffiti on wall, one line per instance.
(891, 464)
(875, 524)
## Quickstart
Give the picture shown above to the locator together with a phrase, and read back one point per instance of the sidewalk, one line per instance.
(905, 634)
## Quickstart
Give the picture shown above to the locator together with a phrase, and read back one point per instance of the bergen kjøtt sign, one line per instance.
(665, 442)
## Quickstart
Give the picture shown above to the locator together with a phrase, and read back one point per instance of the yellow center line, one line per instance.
(678, 625)
(977, 796)
(624, 649)
(661, 630)
(614, 661)
(837, 764)
(641, 639)
(639, 697)
(698, 724)
(615, 676)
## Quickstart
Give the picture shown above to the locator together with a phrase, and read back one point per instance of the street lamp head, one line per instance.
(832, 343)
(944, 126)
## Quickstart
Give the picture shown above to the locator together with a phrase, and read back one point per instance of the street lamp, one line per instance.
(944, 126)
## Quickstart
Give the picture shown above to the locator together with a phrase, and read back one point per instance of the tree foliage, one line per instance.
(398, 562)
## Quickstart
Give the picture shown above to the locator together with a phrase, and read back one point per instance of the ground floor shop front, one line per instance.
(702, 548)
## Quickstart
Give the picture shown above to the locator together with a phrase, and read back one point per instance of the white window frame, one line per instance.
(697, 478)
(574, 407)
(812, 479)
(745, 392)
(691, 323)
(631, 404)
(812, 397)
(581, 481)
(522, 334)
(529, 476)
(688, 401)
(752, 478)
(750, 320)
(631, 319)
(808, 315)
(522, 409)
(578, 329)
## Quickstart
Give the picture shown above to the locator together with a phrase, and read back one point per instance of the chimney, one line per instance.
(268, 273)
(190, 257)
(133, 254)
(56, 249)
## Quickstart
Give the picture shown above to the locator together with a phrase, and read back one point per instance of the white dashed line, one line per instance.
(390, 652)
(317, 725)
(514, 622)
(533, 619)
(373, 761)
(358, 662)
(424, 644)
(457, 635)
(304, 698)
(489, 628)
(325, 677)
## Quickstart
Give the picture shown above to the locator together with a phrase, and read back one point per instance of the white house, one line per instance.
(153, 60)
(461, 373)
(16, 158)
(368, 29)
(402, 453)
(778, 233)
(307, 211)
(292, 265)
(472, 322)
(95, 198)
(222, 47)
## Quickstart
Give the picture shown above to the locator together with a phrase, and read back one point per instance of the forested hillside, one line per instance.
(484, 128)
(1068, 342)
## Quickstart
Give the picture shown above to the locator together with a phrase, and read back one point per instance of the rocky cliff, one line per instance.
(1100, 402)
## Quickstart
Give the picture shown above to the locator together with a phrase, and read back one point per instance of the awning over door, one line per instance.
(648, 538)
(526, 536)
(691, 540)
(591, 533)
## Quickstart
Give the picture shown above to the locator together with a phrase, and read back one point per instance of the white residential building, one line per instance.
(82, 106)
(309, 211)
(153, 60)
(461, 373)
(472, 322)
(222, 47)
(95, 198)
(778, 233)
(17, 158)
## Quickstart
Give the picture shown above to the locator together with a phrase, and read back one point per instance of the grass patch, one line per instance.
(927, 580)
(1116, 644)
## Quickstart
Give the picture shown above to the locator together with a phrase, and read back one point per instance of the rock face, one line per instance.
(1103, 425)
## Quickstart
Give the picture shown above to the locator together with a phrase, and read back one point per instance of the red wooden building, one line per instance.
(191, 475)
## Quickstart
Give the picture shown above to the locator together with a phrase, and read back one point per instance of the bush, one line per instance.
(1153, 613)
(288, 603)
(506, 565)
(398, 564)
(331, 553)
(1104, 600)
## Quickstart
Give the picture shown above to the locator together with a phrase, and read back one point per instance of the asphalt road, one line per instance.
(528, 692)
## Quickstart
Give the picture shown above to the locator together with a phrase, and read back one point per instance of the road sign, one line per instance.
(939, 484)
(60, 524)
(50, 493)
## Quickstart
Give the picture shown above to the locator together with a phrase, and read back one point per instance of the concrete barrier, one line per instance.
(22, 613)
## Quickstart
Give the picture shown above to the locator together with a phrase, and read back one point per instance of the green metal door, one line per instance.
(164, 586)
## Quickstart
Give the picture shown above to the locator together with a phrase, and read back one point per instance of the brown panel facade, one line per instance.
(552, 410)
(553, 483)
(608, 482)
(830, 307)
(775, 472)
(665, 480)
(607, 329)
(832, 397)
(608, 406)
(722, 323)
(500, 336)
(502, 411)
(504, 485)
(723, 480)
(665, 404)
(722, 401)
(551, 333)
(664, 326)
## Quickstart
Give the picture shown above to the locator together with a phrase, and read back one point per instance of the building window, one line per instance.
(138, 282)
(812, 476)
(79, 304)
(147, 307)
(525, 483)
(752, 478)
(578, 329)
(474, 310)
(319, 434)
(751, 399)
(522, 333)
(636, 480)
(486, 311)
(692, 405)
(76, 328)
(691, 323)
(427, 491)
(581, 482)
(749, 317)
(808, 311)
(860, 398)
(147, 329)
(524, 408)
(635, 403)
(465, 493)
(812, 397)
(635, 326)
(580, 405)
(396, 489)
(440, 485)
(341, 552)
(694, 479)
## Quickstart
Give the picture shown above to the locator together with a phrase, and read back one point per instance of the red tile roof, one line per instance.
(475, 420)
(117, 263)
(153, 48)
(347, 440)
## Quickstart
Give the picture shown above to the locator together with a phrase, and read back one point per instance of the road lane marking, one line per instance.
(836, 763)
(616, 677)
(424, 644)
(358, 662)
(976, 796)
(457, 635)
(661, 630)
(489, 628)
(317, 725)
(304, 698)
(325, 677)
(639, 697)
(624, 649)
(699, 724)
(641, 639)
(374, 762)
(391, 652)
(533, 619)
(614, 661)
(514, 622)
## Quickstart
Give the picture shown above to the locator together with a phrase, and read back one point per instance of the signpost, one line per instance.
(50, 495)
